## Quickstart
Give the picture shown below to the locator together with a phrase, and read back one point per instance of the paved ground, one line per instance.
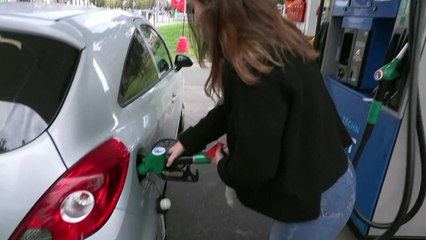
(199, 210)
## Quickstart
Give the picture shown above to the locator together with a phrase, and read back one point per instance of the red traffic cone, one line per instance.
(183, 45)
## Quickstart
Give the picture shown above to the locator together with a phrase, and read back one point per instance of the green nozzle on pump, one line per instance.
(389, 71)
(154, 162)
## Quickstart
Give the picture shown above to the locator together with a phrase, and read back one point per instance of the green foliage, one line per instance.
(140, 4)
(171, 34)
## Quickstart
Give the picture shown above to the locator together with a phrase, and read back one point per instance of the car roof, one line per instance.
(53, 12)
(63, 22)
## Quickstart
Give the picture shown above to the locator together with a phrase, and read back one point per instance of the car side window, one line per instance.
(158, 48)
(140, 72)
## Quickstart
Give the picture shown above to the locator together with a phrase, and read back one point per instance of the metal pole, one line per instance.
(183, 21)
(318, 27)
(157, 10)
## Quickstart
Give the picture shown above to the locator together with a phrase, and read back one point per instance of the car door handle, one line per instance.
(174, 97)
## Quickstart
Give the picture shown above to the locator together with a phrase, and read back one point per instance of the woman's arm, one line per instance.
(208, 129)
(195, 138)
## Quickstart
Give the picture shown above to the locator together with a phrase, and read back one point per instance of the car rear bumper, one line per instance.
(123, 225)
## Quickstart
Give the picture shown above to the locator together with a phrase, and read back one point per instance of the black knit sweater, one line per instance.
(285, 139)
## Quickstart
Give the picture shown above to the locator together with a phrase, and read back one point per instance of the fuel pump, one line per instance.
(415, 126)
(388, 101)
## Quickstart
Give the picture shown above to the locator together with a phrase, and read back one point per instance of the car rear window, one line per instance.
(35, 74)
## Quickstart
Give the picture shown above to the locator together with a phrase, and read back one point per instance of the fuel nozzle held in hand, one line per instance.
(180, 170)
(154, 162)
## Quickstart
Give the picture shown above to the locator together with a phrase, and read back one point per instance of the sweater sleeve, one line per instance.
(260, 113)
(208, 129)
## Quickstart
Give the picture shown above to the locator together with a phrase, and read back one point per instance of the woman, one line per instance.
(286, 141)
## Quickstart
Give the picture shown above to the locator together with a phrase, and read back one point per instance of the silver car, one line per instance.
(84, 93)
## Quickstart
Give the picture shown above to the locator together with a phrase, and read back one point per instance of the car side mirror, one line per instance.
(182, 61)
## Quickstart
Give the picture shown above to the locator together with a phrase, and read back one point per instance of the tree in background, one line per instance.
(140, 4)
(280, 5)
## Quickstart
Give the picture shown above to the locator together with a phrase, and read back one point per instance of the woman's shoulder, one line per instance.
(296, 62)
(297, 67)
(296, 72)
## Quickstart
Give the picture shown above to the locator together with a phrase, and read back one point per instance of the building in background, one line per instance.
(304, 14)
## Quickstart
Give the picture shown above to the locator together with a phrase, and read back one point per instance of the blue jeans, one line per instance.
(337, 204)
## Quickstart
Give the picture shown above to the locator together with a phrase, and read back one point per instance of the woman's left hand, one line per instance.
(175, 151)
(217, 157)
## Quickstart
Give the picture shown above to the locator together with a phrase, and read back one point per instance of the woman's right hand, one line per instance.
(175, 151)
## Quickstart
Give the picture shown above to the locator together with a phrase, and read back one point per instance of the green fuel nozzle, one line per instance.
(199, 158)
(385, 74)
(154, 162)
(390, 70)
(180, 170)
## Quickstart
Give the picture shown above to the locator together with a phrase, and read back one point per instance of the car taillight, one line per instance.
(82, 199)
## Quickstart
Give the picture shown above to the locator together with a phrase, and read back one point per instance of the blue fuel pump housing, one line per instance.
(353, 107)
(367, 29)
(364, 37)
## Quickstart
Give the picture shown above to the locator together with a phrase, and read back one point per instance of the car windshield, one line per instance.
(35, 74)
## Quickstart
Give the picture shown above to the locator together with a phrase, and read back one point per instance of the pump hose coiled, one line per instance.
(422, 192)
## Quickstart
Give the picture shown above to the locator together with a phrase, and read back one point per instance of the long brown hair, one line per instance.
(252, 35)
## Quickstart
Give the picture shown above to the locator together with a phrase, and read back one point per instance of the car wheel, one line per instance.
(182, 120)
